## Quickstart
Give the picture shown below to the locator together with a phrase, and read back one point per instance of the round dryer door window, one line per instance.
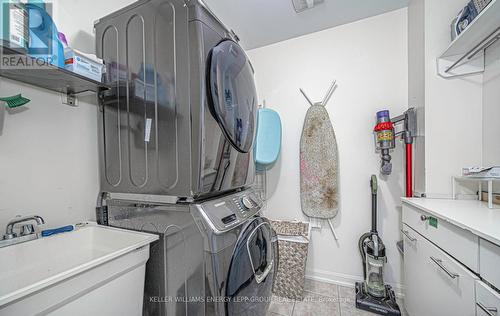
(232, 97)
(252, 270)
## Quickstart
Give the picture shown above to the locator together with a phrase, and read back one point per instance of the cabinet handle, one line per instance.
(439, 262)
(488, 310)
(407, 234)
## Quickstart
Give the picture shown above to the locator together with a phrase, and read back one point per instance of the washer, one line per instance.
(216, 257)
(241, 253)
(178, 120)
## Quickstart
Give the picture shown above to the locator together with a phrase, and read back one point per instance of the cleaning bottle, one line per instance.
(13, 24)
(44, 41)
(67, 49)
(38, 3)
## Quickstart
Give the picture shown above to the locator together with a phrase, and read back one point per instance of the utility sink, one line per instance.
(93, 270)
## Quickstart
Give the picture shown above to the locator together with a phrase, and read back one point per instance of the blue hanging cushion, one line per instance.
(268, 139)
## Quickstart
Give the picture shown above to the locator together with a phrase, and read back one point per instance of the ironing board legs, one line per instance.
(333, 229)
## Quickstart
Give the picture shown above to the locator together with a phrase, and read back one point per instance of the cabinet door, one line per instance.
(489, 258)
(412, 275)
(487, 300)
(436, 284)
(461, 243)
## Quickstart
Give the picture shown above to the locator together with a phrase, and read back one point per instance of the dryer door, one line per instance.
(232, 96)
(252, 270)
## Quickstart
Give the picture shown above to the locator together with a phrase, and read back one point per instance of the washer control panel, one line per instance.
(245, 204)
(231, 210)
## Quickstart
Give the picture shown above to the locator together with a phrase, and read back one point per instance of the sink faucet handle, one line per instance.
(27, 229)
(39, 220)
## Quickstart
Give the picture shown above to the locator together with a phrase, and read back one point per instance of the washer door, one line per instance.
(252, 270)
(232, 97)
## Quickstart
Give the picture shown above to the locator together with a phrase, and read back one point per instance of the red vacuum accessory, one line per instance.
(409, 170)
(384, 126)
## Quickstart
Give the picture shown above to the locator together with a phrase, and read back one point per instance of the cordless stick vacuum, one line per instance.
(385, 141)
(373, 295)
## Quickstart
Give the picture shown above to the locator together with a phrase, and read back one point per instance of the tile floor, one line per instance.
(320, 299)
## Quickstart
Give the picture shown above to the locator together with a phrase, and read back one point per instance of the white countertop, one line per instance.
(471, 215)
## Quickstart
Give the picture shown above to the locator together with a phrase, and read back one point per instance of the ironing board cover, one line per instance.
(319, 185)
(268, 138)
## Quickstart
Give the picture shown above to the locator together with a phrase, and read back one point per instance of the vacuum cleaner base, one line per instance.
(381, 306)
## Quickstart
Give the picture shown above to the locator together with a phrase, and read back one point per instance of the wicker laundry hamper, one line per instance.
(293, 245)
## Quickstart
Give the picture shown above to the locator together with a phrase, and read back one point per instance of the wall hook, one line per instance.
(327, 97)
(305, 96)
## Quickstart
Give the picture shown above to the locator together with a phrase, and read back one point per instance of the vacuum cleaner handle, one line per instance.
(373, 184)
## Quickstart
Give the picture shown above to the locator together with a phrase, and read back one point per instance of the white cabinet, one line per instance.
(413, 282)
(460, 243)
(436, 284)
(489, 258)
(487, 300)
(452, 258)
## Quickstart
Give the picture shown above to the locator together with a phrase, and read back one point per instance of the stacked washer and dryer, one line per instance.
(176, 132)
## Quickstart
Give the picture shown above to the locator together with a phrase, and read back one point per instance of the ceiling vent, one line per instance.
(302, 5)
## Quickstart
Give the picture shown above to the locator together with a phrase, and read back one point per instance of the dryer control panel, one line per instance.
(224, 213)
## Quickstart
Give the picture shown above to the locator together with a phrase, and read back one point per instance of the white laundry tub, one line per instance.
(94, 270)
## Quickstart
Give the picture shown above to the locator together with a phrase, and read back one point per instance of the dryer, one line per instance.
(178, 120)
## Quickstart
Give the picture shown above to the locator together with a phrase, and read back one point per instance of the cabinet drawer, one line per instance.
(487, 300)
(436, 284)
(459, 243)
(489, 262)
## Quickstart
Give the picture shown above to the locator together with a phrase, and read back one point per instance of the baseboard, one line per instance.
(344, 279)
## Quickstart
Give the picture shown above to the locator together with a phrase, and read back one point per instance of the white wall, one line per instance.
(369, 60)
(451, 136)
(491, 107)
(48, 151)
(453, 115)
(416, 87)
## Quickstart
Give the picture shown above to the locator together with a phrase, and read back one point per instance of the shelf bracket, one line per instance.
(470, 63)
(69, 99)
(446, 69)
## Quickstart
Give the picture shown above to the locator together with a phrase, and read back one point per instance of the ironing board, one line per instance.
(319, 167)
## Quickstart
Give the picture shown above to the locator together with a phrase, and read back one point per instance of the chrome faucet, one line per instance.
(26, 229)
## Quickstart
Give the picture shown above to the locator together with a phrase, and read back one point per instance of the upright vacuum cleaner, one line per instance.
(373, 295)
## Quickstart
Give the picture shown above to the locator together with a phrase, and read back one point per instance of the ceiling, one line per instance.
(263, 22)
